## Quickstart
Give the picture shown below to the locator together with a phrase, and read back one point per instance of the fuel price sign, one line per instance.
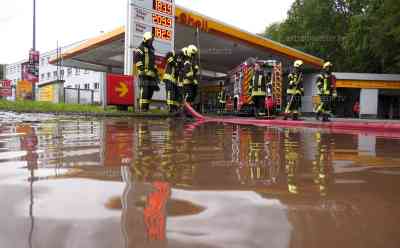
(156, 16)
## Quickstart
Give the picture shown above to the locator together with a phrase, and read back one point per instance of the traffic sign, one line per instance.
(119, 90)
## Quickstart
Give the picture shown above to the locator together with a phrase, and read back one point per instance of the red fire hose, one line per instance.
(388, 129)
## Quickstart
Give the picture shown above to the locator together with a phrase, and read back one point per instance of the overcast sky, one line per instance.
(70, 21)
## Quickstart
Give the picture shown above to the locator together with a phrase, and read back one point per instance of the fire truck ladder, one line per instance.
(277, 86)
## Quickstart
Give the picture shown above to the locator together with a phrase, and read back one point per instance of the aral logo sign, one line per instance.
(119, 90)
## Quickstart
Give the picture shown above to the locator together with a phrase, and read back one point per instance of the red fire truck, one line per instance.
(241, 76)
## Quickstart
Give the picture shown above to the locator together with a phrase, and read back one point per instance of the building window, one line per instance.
(42, 61)
(77, 72)
(69, 71)
(87, 86)
(55, 74)
(48, 75)
(42, 76)
(62, 73)
(96, 86)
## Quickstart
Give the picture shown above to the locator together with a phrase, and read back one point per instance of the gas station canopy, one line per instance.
(222, 46)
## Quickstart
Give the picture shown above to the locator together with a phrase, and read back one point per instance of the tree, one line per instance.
(356, 35)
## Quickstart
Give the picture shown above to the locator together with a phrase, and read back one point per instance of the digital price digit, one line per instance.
(162, 21)
(162, 34)
(162, 7)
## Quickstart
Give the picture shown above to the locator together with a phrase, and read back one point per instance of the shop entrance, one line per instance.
(347, 97)
(389, 104)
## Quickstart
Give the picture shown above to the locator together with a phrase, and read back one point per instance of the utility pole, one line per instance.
(34, 26)
(34, 46)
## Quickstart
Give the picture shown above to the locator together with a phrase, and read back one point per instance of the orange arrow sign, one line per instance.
(122, 89)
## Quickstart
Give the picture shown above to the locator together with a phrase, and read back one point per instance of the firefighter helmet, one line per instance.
(298, 63)
(185, 51)
(327, 65)
(192, 50)
(147, 36)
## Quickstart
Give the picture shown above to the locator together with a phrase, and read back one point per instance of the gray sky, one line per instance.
(73, 20)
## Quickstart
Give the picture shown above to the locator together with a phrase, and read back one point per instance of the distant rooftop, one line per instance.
(367, 76)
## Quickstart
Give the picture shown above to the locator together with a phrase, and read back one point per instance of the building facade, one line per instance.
(2, 71)
(73, 77)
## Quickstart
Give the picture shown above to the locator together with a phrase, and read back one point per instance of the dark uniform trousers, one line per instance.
(147, 87)
(295, 92)
(173, 94)
(326, 91)
(258, 92)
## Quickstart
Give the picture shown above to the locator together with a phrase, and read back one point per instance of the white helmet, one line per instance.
(185, 51)
(192, 50)
(298, 63)
(327, 64)
(147, 36)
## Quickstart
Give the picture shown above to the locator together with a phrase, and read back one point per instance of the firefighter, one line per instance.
(190, 73)
(222, 97)
(326, 92)
(323, 161)
(295, 91)
(170, 80)
(180, 60)
(270, 96)
(258, 88)
(292, 159)
(147, 71)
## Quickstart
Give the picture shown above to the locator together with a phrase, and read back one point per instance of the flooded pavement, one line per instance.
(71, 182)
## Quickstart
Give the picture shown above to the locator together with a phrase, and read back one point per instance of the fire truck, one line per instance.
(240, 77)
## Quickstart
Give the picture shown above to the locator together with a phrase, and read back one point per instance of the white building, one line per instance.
(74, 77)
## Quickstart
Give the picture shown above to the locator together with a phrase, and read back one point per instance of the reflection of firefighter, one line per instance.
(295, 91)
(326, 92)
(322, 161)
(147, 71)
(291, 160)
(256, 146)
(170, 80)
(258, 88)
(260, 165)
(222, 98)
(190, 73)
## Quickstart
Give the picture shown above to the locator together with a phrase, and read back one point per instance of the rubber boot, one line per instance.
(285, 117)
(317, 116)
(325, 118)
(145, 107)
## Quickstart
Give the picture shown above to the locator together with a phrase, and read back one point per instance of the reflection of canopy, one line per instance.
(217, 40)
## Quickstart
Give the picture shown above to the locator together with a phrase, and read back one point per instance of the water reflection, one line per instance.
(174, 183)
